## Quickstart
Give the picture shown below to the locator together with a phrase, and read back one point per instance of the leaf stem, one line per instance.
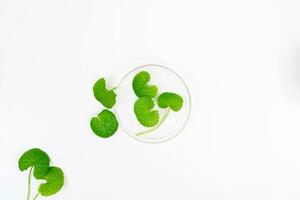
(29, 183)
(114, 88)
(36, 196)
(155, 127)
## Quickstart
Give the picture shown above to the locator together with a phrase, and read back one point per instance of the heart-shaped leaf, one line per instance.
(103, 95)
(104, 124)
(143, 109)
(55, 181)
(140, 86)
(171, 100)
(37, 159)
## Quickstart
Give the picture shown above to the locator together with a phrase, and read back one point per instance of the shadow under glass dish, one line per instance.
(167, 81)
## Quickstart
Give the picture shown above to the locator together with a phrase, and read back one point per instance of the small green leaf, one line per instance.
(171, 100)
(55, 181)
(143, 109)
(103, 95)
(140, 87)
(104, 124)
(35, 158)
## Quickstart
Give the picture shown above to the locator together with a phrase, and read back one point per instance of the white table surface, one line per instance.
(241, 60)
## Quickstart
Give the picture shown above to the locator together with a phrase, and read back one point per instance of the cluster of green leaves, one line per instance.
(144, 105)
(39, 162)
(105, 123)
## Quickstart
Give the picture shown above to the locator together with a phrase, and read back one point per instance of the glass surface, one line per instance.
(167, 81)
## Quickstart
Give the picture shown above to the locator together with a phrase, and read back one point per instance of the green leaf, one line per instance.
(103, 95)
(104, 124)
(171, 100)
(35, 158)
(140, 87)
(55, 181)
(143, 109)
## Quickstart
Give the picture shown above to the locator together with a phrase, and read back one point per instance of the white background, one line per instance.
(241, 60)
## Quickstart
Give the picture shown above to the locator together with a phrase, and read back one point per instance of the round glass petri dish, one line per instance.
(167, 81)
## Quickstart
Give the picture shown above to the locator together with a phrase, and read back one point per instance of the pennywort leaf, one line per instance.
(171, 100)
(104, 124)
(55, 181)
(143, 109)
(37, 159)
(103, 95)
(140, 86)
